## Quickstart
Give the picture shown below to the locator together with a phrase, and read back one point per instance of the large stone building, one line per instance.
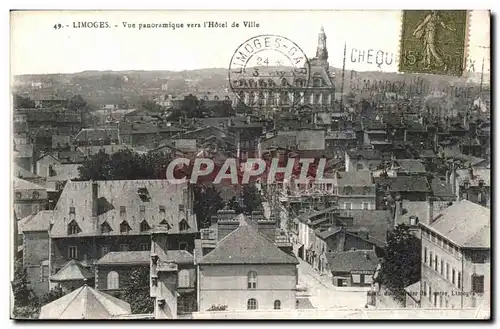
(270, 92)
(455, 259)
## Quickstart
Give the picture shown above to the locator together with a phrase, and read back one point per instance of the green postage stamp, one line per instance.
(433, 41)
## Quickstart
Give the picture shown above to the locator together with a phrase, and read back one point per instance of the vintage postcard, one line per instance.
(251, 164)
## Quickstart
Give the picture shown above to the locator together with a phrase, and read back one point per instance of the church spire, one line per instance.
(322, 52)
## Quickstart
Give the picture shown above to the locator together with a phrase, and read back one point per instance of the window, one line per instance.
(435, 299)
(142, 208)
(453, 276)
(162, 209)
(478, 283)
(73, 228)
(366, 206)
(433, 237)
(183, 245)
(18, 195)
(123, 210)
(356, 278)
(105, 228)
(124, 227)
(347, 206)
(359, 166)
(124, 247)
(252, 280)
(72, 252)
(431, 259)
(459, 277)
(145, 226)
(478, 256)
(252, 304)
(447, 271)
(104, 250)
(465, 196)
(72, 210)
(181, 207)
(442, 267)
(368, 279)
(183, 225)
(144, 246)
(425, 288)
(277, 304)
(430, 292)
(113, 280)
(184, 278)
(348, 190)
(36, 194)
(446, 303)
(436, 263)
(425, 255)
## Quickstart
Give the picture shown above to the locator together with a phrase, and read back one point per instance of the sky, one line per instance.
(37, 47)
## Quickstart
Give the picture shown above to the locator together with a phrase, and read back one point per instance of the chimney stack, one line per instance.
(430, 205)
(95, 198)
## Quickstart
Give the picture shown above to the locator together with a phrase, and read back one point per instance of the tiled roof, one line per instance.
(246, 246)
(139, 199)
(354, 178)
(375, 222)
(125, 257)
(347, 261)
(21, 184)
(36, 222)
(94, 134)
(441, 189)
(465, 223)
(63, 172)
(85, 303)
(73, 270)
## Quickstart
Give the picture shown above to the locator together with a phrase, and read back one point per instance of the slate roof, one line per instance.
(407, 184)
(479, 174)
(85, 303)
(36, 222)
(143, 257)
(246, 246)
(465, 223)
(141, 199)
(21, 184)
(94, 134)
(354, 178)
(72, 271)
(411, 165)
(348, 261)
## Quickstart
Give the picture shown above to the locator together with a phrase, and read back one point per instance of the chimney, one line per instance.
(447, 177)
(430, 205)
(95, 198)
(471, 172)
(248, 119)
(454, 178)
(267, 227)
(227, 222)
(367, 256)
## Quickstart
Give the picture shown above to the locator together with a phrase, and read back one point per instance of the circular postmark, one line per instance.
(269, 71)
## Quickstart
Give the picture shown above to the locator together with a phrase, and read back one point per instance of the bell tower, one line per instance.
(322, 51)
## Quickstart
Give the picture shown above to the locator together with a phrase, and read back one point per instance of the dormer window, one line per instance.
(181, 207)
(105, 228)
(481, 183)
(124, 227)
(142, 209)
(36, 194)
(73, 228)
(466, 184)
(162, 209)
(145, 226)
(123, 210)
(348, 190)
(183, 225)
(19, 195)
(164, 222)
(71, 210)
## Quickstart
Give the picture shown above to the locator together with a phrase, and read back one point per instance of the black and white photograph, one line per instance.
(260, 164)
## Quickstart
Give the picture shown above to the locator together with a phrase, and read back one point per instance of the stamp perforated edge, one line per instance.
(400, 43)
(466, 42)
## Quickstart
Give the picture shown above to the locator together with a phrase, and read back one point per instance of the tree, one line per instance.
(136, 291)
(77, 103)
(25, 302)
(207, 202)
(152, 106)
(251, 199)
(401, 265)
(51, 296)
(21, 102)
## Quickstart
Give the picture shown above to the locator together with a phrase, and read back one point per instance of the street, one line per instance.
(324, 295)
